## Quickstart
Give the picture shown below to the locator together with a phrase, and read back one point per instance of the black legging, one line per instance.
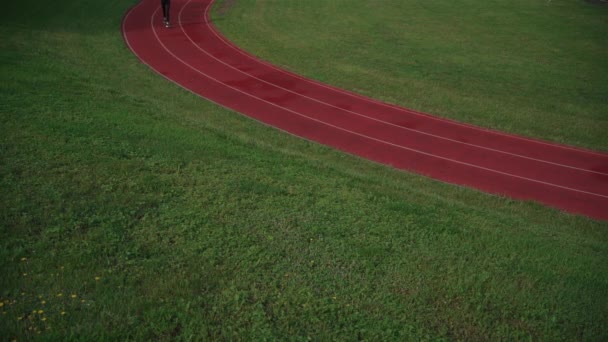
(166, 5)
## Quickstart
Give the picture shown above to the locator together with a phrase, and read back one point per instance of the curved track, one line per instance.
(194, 55)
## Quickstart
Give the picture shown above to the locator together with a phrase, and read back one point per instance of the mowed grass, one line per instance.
(532, 67)
(132, 209)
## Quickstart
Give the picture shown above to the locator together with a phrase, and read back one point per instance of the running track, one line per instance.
(195, 56)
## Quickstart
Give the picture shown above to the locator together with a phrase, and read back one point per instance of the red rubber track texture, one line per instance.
(195, 56)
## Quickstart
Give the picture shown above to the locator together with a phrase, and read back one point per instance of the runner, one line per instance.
(166, 5)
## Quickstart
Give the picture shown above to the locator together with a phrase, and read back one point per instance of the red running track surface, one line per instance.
(194, 55)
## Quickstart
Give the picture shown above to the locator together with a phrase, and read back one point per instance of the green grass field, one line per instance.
(132, 209)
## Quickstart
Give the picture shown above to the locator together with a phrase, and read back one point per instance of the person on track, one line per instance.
(166, 5)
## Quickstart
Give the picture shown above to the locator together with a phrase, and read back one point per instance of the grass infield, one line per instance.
(132, 209)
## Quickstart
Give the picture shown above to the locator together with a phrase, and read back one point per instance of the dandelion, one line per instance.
(25, 274)
(97, 278)
(1, 304)
(43, 319)
(82, 300)
(20, 318)
(73, 295)
(43, 302)
(23, 259)
(60, 295)
(62, 313)
(40, 312)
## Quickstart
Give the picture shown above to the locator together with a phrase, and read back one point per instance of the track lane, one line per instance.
(251, 87)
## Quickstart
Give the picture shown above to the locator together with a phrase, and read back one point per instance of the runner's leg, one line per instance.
(167, 10)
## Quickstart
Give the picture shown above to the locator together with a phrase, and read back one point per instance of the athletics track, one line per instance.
(194, 55)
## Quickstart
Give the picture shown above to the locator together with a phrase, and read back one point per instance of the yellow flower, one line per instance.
(1, 304)
(41, 311)
(43, 302)
(62, 313)
(43, 318)
(73, 296)
(24, 259)
(60, 295)
(97, 278)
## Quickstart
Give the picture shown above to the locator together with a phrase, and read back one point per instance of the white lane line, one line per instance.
(369, 117)
(409, 111)
(355, 133)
